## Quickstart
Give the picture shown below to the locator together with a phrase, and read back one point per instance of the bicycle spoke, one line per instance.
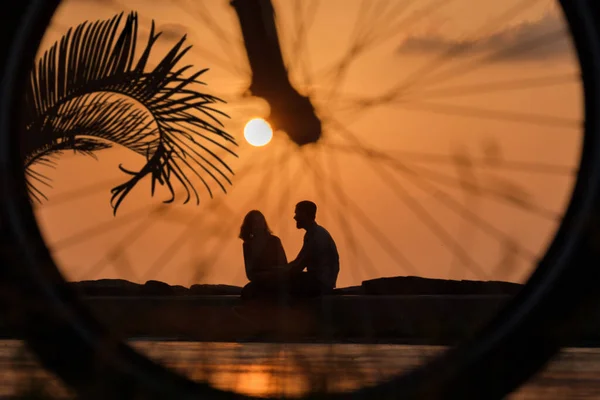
(467, 176)
(503, 86)
(117, 250)
(104, 227)
(347, 231)
(414, 18)
(442, 234)
(548, 121)
(356, 46)
(371, 227)
(287, 180)
(89, 190)
(446, 180)
(444, 160)
(228, 44)
(161, 260)
(356, 103)
(284, 183)
(447, 200)
(320, 181)
(300, 54)
(535, 43)
(370, 41)
(215, 254)
(401, 91)
(439, 61)
(92, 232)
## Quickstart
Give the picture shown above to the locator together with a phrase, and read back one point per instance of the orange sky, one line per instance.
(416, 226)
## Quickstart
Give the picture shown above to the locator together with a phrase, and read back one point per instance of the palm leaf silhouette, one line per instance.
(88, 93)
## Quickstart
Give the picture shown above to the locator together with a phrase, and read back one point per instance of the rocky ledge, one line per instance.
(400, 285)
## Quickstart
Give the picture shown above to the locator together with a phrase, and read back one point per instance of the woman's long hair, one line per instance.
(254, 223)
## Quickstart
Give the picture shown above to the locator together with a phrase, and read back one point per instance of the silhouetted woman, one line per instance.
(263, 253)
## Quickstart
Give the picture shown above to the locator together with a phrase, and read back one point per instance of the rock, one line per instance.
(157, 288)
(413, 285)
(350, 290)
(107, 287)
(205, 290)
(400, 285)
(180, 290)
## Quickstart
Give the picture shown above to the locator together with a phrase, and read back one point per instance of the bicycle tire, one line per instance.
(536, 323)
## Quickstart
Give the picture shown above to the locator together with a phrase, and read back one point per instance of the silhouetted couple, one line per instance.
(314, 272)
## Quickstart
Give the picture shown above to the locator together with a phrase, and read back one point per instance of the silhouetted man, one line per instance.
(319, 256)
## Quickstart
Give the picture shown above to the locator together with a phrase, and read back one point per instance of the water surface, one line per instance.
(273, 370)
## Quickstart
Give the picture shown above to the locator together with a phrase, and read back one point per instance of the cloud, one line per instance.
(172, 32)
(541, 39)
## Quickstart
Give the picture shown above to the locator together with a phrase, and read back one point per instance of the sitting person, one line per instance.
(319, 256)
(263, 252)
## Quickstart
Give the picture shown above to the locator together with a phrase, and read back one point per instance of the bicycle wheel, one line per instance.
(488, 359)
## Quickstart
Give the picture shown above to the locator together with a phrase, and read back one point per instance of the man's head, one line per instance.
(305, 214)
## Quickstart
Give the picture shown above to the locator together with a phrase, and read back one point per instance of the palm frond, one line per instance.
(89, 92)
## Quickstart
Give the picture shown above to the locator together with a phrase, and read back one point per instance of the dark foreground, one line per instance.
(409, 319)
(400, 319)
(401, 310)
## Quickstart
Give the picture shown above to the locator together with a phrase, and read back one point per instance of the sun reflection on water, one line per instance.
(290, 370)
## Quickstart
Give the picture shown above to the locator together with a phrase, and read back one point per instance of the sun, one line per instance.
(258, 132)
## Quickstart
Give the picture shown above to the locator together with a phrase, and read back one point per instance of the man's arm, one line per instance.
(299, 263)
(301, 260)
